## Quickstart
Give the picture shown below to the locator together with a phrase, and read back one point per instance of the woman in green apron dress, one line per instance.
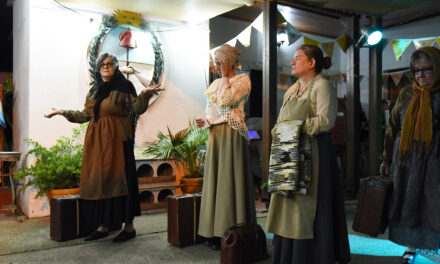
(311, 228)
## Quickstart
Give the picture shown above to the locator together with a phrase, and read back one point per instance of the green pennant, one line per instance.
(280, 18)
(293, 34)
(399, 46)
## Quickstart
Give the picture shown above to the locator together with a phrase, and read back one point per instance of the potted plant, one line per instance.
(186, 148)
(55, 170)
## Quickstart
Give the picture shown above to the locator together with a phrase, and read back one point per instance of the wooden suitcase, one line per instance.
(183, 219)
(65, 218)
(371, 215)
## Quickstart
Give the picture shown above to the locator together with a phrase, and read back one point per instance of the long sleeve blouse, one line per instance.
(324, 105)
(225, 102)
(121, 104)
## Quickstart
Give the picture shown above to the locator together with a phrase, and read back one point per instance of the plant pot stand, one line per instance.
(7, 160)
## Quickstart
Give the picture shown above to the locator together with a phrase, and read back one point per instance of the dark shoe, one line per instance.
(208, 242)
(124, 236)
(96, 235)
(407, 257)
(216, 243)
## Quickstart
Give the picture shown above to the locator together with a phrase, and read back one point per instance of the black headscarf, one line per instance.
(118, 82)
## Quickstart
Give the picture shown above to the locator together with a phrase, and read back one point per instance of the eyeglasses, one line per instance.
(424, 70)
(109, 65)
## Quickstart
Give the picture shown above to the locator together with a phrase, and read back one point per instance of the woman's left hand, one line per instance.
(153, 88)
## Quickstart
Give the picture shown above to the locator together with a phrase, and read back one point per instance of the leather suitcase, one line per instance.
(371, 215)
(183, 219)
(65, 218)
(243, 244)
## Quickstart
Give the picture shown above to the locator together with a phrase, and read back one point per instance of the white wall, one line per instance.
(21, 36)
(51, 70)
(185, 49)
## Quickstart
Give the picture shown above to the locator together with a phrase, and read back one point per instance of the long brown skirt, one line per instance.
(228, 193)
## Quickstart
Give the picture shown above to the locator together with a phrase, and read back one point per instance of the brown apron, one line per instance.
(103, 169)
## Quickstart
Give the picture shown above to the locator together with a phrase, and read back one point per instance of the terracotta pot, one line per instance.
(61, 192)
(191, 185)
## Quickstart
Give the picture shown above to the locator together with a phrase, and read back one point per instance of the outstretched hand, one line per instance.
(154, 88)
(55, 111)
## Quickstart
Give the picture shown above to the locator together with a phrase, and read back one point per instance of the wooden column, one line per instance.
(352, 115)
(375, 142)
(269, 80)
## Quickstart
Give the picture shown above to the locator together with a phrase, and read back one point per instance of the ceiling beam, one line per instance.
(318, 10)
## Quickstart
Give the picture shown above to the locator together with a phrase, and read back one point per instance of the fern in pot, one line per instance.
(186, 147)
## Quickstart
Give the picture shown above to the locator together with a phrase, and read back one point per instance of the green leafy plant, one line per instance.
(186, 147)
(57, 167)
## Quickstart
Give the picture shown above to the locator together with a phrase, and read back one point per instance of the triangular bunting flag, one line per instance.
(245, 36)
(328, 48)
(292, 33)
(344, 75)
(336, 77)
(399, 46)
(232, 42)
(258, 23)
(438, 41)
(384, 77)
(361, 77)
(280, 18)
(397, 77)
(310, 41)
(342, 41)
(419, 43)
(283, 77)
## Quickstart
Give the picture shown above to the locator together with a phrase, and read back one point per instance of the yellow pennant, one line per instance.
(328, 48)
(438, 41)
(310, 41)
(342, 41)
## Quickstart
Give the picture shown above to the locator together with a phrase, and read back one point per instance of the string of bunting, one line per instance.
(400, 45)
(293, 35)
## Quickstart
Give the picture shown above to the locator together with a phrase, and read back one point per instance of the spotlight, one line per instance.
(371, 35)
(281, 38)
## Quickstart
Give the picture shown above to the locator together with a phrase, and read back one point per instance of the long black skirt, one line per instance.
(112, 212)
(330, 236)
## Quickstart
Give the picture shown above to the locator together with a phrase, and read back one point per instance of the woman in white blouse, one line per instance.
(311, 228)
(227, 197)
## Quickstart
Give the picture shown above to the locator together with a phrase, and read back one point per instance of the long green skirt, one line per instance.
(228, 192)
